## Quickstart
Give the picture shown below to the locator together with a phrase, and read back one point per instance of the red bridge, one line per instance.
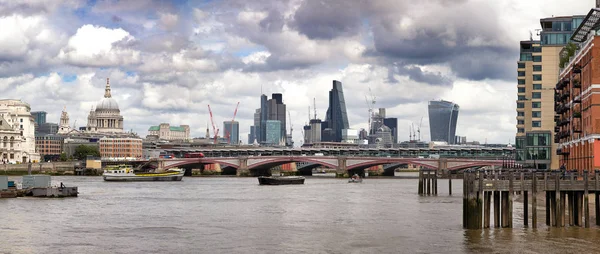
(249, 165)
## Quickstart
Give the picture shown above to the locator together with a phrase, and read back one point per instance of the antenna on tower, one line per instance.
(309, 113)
(419, 130)
(315, 106)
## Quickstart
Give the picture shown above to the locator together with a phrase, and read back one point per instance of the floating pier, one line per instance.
(566, 193)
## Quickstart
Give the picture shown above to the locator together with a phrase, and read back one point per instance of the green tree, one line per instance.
(63, 157)
(82, 151)
(568, 53)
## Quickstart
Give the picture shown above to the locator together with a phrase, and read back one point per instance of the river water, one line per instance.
(236, 215)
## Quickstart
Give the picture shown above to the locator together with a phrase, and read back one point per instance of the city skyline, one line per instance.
(167, 65)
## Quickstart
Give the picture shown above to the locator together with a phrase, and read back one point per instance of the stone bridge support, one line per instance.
(341, 170)
(243, 169)
(442, 166)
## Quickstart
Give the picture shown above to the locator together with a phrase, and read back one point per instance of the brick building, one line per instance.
(120, 148)
(577, 99)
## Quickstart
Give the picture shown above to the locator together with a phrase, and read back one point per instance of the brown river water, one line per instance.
(236, 215)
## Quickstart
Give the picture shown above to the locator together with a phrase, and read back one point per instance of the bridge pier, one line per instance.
(341, 170)
(243, 169)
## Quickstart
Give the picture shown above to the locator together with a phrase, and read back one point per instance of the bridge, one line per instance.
(450, 151)
(258, 165)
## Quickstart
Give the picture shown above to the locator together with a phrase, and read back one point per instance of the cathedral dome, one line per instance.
(107, 104)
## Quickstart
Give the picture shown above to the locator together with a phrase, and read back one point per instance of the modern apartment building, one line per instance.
(578, 100)
(537, 72)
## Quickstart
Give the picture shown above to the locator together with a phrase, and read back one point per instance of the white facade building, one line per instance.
(106, 117)
(165, 131)
(17, 132)
(63, 127)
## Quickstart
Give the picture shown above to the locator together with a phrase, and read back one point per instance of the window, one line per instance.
(520, 105)
(521, 89)
(21, 119)
(537, 77)
(521, 81)
(520, 65)
(537, 58)
(536, 104)
(536, 95)
(520, 113)
(536, 114)
(521, 130)
(537, 86)
(520, 142)
(520, 122)
(521, 73)
(536, 124)
(537, 49)
(521, 98)
(537, 68)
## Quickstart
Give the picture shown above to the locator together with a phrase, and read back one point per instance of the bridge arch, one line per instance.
(377, 162)
(476, 164)
(284, 160)
(202, 161)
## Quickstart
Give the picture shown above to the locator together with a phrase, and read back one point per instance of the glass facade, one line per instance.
(233, 130)
(273, 131)
(337, 117)
(443, 116)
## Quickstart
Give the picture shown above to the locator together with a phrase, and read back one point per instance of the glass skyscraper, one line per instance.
(443, 116)
(273, 131)
(233, 129)
(337, 118)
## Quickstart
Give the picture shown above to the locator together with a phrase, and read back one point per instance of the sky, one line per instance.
(168, 60)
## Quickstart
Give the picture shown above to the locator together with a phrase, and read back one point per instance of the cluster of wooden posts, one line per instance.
(428, 182)
(479, 186)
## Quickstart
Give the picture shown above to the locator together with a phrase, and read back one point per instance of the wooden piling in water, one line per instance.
(525, 208)
(420, 182)
(534, 199)
(586, 204)
(428, 183)
(597, 198)
(511, 191)
(450, 184)
(548, 213)
(497, 209)
(557, 203)
(486, 209)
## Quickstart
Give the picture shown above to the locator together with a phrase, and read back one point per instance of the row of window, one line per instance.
(535, 87)
(522, 65)
(535, 104)
(533, 123)
(534, 114)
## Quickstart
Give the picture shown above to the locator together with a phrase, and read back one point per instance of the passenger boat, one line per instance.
(355, 180)
(280, 180)
(126, 173)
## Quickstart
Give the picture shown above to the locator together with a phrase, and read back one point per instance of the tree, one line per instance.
(568, 52)
(82, 151)
(63, 157)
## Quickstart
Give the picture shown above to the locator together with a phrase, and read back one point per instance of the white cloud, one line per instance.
(95, 46)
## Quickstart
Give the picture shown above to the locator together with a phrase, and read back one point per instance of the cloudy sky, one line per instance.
(168, 60)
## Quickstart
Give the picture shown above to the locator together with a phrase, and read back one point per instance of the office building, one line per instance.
(46, 128)
(273, 132)
(120, 148)
(232, 132)
(165, 131)
(17, 132)
(537, 73)
(443, 116)
(264, 116)
(336, 116)
(49, 146)
(39, 117)
(277, 111)
(392, 123)
(577, 104)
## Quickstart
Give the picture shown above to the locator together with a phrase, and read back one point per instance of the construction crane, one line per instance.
(419, 130)
(370, 106)
(215, 130)
(231, 127)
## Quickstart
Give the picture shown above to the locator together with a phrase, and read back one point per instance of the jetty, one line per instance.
(566, 196)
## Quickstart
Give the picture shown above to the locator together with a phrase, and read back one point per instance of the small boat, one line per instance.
(280, 180)
(355, 180)
(126, 173)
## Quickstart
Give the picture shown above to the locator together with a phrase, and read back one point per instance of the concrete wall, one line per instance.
(38, 168)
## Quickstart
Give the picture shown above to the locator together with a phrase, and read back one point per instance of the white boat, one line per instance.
(355, 179)
(126, 173)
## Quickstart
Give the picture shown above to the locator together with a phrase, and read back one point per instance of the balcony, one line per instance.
(576, 84)
(561, 151)
(577, 115)
(556, 129)
(577, 68)
(577, 99)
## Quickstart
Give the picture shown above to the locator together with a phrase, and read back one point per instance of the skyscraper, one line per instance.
(277, 111)
(336, 118)
(273, 131)
(264, 110)
(39, 117)
(392, 123)
(443, 116)
(233, 130)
